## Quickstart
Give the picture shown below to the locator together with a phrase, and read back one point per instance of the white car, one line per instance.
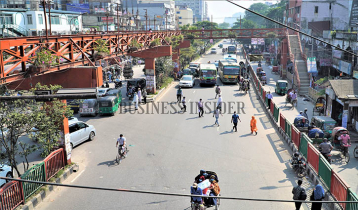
(102, 91)
(80, 132)
(187, 81)
(34, 130)
(213, 51)
(5, 171)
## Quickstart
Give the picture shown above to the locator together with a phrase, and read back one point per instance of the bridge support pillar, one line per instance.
(285, 53)
(149, 55)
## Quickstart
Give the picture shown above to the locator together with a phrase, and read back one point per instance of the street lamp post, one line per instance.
(146, 18)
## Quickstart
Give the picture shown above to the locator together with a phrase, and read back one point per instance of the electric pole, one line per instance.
(146, 18)
(166, 21)
(117, 17)
(240, 21)
(149, 23)
(107, 14)
(44, 6)
(154, 23)
(49, 14)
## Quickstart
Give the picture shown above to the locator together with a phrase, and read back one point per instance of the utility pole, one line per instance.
(49, 14)
(117, 17)
(166, 21)
(149, 23)
(154, 23)
(146, 18)
(137, 22)
(107, 14)
(211, 23)
(240, 21)
(44, 6)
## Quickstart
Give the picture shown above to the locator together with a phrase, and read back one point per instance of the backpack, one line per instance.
(303, 195)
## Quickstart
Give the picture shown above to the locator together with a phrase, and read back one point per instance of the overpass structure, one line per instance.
(17, 55)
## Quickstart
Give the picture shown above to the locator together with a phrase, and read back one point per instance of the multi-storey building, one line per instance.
(198, 7)
(184, 15)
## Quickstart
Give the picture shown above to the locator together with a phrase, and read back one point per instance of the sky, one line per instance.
(221, 9)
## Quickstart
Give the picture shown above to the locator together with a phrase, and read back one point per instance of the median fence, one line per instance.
(319, 168)
(15, 193)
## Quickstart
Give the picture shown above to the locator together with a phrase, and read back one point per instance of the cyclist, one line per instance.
(122, 144)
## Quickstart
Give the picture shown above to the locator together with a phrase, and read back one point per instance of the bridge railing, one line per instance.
(292, 58)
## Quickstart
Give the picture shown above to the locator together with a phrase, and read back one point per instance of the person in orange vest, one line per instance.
(253, 125)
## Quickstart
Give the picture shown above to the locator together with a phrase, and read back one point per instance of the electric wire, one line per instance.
(289, 27)
(168, 194)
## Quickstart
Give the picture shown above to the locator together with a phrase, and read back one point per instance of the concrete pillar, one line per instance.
(65, 140)
(150, 75)
(176, 61)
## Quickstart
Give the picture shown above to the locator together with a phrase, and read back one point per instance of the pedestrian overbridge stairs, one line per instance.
(300, 63)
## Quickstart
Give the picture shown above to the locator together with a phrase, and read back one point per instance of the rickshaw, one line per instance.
(288, 98)
(337, 132)
(258, 70)
(204, 185)
(89, 107)
(281, 87)
(301, 123)
(315, 133)
(108, 105)
(260, 74)
(326, 124)
(318, 109)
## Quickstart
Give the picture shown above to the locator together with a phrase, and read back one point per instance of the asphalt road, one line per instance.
(167, 150)
(347, 171)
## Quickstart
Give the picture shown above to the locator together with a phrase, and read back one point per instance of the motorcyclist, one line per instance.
(295, 159)
(121, 141)
(259, 65)
(325, 148)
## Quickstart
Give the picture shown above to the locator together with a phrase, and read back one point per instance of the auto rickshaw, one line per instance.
(318, 109)
(258, 70)
(281, 87)
(326, 124)
(220, 45)
(108, 105)
(262, 77)
(301, 123)
(260, 74)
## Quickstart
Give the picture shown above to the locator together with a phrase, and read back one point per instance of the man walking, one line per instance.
(216, 114)
(184, 105)
(217, 91)
(305, 113)
(179, 94)
(299, 193)
(201, 108)
(219, 103)
(234, 119)
(269, 97)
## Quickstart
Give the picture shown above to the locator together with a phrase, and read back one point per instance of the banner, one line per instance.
(345, 67)
(258, 41)
(311, 65)
(82, 8)
(107, 19)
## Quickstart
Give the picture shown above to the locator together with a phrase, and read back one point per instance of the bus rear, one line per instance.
(230, 73)
(207, 74)
(231, 49)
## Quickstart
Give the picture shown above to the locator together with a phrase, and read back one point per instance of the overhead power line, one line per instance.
(168, 194)
(263, 16)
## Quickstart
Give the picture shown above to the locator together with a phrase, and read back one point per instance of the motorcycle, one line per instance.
(299, 166)
(259, 65)
(130, 95)
(117, 83)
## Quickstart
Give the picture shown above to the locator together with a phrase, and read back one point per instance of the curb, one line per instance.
(311, 174)
(161, 92)
(31, 204)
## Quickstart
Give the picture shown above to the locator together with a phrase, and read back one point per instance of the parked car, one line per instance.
(102, 91)
(89, 107)
(5, 171)
(213, 51)
(187, 81)
(80, 132)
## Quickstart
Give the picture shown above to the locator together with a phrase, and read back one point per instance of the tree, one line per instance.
(163, 68)
(248, 24)
(224, 25)
(236, 25)
(206, 25)
(275, 13)
(259, 8)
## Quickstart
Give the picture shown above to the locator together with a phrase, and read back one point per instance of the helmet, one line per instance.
(296, 154)
(325, 139)
(202, 171)
(306, 109)
(301, 112)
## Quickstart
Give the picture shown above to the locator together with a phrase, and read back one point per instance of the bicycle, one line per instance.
(121, 155)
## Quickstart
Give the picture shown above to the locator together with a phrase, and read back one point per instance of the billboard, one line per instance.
(258, 41)
(82, 8)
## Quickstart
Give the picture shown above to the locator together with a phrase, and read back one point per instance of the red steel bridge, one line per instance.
(19, 53)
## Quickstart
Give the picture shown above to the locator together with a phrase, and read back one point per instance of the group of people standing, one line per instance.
(137, 98)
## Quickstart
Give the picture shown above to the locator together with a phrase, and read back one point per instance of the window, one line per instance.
(55, 20)
(82, 125)
(316, 9)
(73, 128)
(6, 19)
(298, 9)
(29, 19)
(41, 20)
(71, 19)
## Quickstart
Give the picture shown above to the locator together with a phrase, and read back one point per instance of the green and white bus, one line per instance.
(207, 74)
(228, 71)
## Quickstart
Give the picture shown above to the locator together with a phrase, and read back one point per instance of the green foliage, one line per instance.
(45, 59)
(321, 81)
(155, 42)
(205, 24)
(259, 8)
(163, 69)
(224, 25)
(176, 40)
(247, 24)
(134, 43)
(232, 34)
(38, 86)
(101, 46)
(271, 35)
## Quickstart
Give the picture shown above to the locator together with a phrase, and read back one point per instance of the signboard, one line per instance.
(107, 19)
(311, 65)
(258, 41)
(158, 16)
(345, 118)
(345, 67)
(355, 74)
(149, 72)
(82, 8)
(100, 10)
(150, 83)
(68, 146)
(325, 62)
(354, 14)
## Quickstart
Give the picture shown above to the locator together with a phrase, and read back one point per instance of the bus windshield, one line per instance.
(207, 73)
(231, 70)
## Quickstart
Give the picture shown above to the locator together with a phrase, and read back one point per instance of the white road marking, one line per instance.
(189, 100)
(194, 91)
(78, 176)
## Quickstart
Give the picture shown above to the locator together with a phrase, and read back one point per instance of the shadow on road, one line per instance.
(265, 122)
(110, 163)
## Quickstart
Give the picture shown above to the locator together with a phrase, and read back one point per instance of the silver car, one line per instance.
(80, 132)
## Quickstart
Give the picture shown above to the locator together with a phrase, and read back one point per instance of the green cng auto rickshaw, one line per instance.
(281, 87)
(326, 124)
(108, 105)
(117, 93)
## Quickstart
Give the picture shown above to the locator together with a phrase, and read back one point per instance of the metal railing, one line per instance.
(53, 163)
(292, 58)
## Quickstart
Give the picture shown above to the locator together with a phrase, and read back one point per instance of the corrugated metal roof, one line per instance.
(345, 87)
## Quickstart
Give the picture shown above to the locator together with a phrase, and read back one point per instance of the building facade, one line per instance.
(184, 15)
(199, 8)
(23, 22)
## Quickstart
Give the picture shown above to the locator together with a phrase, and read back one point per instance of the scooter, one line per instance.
(299, 165)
